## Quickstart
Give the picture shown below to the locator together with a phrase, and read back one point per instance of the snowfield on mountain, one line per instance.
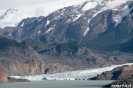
(13, 16)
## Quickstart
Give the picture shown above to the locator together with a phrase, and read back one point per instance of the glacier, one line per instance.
(71, 75)
(8, 24)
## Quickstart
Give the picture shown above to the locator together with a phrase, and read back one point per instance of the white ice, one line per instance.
(71, 75)
(89, 5)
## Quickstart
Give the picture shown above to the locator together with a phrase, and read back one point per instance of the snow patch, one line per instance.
(115, 3)
(50, 29)
(48, 22)
(68, 20)
(47, 8)
(125, 12)
(78, 16)
(39, 32)
(88, 29)
(89, 5)
(112, 4)
(10, 34)
(22, 24)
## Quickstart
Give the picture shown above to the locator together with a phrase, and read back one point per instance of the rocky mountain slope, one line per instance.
(95, 33)
(19, 59)
(118, 38)
(73, 54)
(71, 23)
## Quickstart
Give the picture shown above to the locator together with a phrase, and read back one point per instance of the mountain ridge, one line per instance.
(63, 20)
(96, 37)
(42, 10)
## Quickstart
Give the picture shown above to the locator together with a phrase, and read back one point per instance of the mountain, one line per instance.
(19, 59)
(71, 54)
(73, 23)
(119, 37)
(95, 33)
(13, 16)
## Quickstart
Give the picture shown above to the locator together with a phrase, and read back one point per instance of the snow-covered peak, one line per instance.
(9, 13)
(105, 5)
(12, 17)
(90, 5)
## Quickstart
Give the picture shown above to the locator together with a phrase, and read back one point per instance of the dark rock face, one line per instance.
(116, 74)
(101, 23)
(74, 54)
(57, 68)
(127, 46)
(11, 80)
(73, 48)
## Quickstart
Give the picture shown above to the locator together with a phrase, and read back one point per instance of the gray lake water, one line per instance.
(56, 84)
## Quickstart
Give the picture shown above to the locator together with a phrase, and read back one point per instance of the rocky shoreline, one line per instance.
(5, 79)
(118, 73)
(124, 83)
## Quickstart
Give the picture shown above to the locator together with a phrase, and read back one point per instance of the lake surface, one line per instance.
(56, 84)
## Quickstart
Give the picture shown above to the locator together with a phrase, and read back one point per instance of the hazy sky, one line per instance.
(5, 4)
